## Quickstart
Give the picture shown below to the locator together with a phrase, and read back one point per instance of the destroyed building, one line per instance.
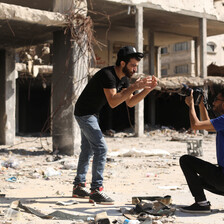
(187, 26)
(39, 85)
(25, 99)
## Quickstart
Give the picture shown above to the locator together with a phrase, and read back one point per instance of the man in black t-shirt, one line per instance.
(109, 85)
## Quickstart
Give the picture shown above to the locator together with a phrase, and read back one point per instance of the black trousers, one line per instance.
(202, 175)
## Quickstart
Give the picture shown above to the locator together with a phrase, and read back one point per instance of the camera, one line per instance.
(197, 93)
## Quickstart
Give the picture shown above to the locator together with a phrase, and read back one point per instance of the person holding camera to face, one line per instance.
(202, 175)
(109, 85)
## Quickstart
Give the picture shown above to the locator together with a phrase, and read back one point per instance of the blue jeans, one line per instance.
(92, 144)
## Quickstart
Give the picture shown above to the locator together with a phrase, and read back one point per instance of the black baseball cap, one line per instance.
(126, 51)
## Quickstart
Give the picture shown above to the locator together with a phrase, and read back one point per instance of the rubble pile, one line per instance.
(36, 184)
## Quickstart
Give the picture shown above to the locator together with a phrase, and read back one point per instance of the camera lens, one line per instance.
(185, 91)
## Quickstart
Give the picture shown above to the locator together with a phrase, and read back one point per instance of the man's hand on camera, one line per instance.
(153, 82)
(189, 100)
(149, 83)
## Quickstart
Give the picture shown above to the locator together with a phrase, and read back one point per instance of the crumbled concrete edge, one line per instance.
(28, 15)
(196, 8)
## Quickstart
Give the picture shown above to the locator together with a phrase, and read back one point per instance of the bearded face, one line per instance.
(127, 71)
(130, 67)
(218, 109)
(218, 105)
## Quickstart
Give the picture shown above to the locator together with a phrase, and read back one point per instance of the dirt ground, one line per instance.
(144, 166)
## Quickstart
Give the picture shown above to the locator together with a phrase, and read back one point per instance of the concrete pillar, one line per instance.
(69, 76)
(62, 6)
(110, 52)
(151, 53)
(67, 5)
(158, 64)
(139, 108)
(7, 96)
(17, 104)
(197, 56)
(151, 71)
(192, 64)
(203, 46)
(203, 53)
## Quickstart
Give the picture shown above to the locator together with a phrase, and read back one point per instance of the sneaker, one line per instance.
(99, 197)
(196, 208)
(80, 191)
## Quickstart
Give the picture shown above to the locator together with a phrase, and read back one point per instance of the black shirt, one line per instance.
(92, 98)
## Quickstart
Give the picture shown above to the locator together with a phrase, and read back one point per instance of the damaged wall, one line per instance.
(216, 57)
(111, 38)
(175, 6)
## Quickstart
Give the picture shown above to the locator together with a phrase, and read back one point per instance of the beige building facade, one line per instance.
(178, 59)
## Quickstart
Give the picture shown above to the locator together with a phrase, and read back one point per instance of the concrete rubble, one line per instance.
(42, 188)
